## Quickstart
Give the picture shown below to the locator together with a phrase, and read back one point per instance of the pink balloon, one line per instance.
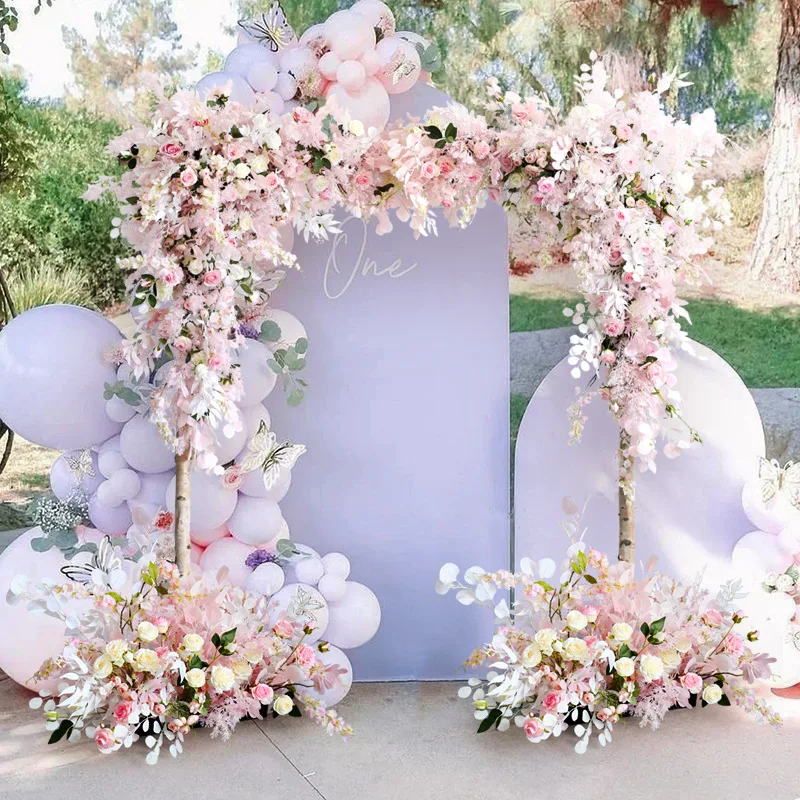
(378, 14)
(400, 64)
(329, 64)
(228, 553)
(371, 61)
(197, 553)
(348, 34)
(30, 639)
(351, 75)
(205, 538)
(370, 106)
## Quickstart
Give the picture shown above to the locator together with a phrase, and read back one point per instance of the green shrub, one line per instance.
(43, 285)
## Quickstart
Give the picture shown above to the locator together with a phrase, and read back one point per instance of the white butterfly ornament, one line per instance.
(271, 458)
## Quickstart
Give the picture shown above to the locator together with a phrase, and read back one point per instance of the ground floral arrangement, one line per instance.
(214, 187)
(152, 654)
(602, 644)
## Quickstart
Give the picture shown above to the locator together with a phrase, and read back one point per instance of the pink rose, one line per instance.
(734, 645)
(232, 477)
(283, 627)
(480, 149)
(446, 165)
(188, 177)
(305, 655)
(104, 739)
(519, 112)
(302, 115)
(171, 276)
(669, 225)
(624, 132)
(613, 327)
(546, 185)
(429, 170)
(533, 728)
(362, 179)
(233, 152)
(590, 612)
(655, 373)
(122, 711)
(622, 215)
(212, 278)
(162, 623)
(271, 180)
(263, 693)
(608, 357)
(182, 344)
(692, 681)
(171, 149)
(712, 618)
(551, 701)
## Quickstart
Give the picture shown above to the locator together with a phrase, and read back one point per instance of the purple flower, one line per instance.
(248, 331)
(259, 557)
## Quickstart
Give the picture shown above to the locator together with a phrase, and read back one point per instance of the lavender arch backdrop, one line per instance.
(406, 420)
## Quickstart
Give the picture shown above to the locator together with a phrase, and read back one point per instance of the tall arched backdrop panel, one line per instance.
(406, 420)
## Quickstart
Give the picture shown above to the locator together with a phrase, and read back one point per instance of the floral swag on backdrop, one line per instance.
(217, 180)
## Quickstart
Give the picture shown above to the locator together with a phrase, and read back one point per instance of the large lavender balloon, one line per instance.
(53, 375)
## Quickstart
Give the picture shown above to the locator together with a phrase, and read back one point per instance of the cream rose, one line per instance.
(241, 668)
(624, 667)
(196, 677)
(253, 654)
(147, 632)
(670, 658)
(145, 660)
(241, 171)
(622, 632)
(651, 667)
(222, 678)
(712, 693)
(576, 620)
(545, 638)
(531, 656)
(683, 644)
(283, 705)
(116, 650)
(103, 667)
(193, 643)
(576, 650)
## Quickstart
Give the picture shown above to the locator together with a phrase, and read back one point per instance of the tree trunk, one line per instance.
(627, 531)
(776, 253)
(183, 546)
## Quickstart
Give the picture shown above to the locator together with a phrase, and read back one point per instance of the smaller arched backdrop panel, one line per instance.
(689, 514)
(405, 420)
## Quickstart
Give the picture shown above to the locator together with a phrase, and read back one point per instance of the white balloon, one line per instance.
(266, 579)
(258, 379)
(111, 461)
(255, 521)
(211, 504)
(253, 485)
(114, 520)
(756, 554)
(239, 89)
(118, 410)
(244, 57)
(285, 601)
(107, 496)
(309, 570)
(231, 554)
(789, 540)
(126, 483)
(354, 619)
(262, 76)
(274, 102)
(772, 517)
(143, 447)
(336, 693)
(65, 482)
(336, 564)
(227, 448)
(332, 587)
(291, 327)
(53, 375)
(286, 85)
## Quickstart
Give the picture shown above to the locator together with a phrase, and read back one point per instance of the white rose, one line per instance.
(145, 660)
(241, 171)
(103, 667)
(283, 705)
(193, 643)
(146, 631)
(241, 668)
(116, 650)
(356, 127)
(545, 638)
(683, 644)
(576, 621)
(196, 678)
(670, 658)
(652, 667)
(196, 266)
(712, 693)
(576, 650)
(531, 656)
(624, 667)
(784, 583)
(622, 632)
(222, 678)
(253, 654)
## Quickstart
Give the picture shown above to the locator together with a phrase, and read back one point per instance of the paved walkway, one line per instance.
(412, 741)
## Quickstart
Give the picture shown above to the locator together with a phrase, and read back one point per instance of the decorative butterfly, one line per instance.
(400, 66)
(80, 465)
(271, 29)
(105, 560)
(304, 604)
(265, 454)
(793, 638)
(776, 479)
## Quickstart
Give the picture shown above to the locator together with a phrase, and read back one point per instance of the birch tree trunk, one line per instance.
(627, 520)
(183, 546)
(776, 252)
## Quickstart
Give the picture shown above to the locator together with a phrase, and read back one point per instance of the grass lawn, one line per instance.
(762, 346)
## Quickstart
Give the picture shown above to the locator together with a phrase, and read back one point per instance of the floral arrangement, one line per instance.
(213, 187)
(152, 654)
(602, 644)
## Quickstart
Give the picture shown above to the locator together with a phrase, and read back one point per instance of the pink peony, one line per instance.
(533, 728)
(263, 693)
(104, 740)
(692, 681)
(734, 645)
(480, 149)
(122, 711)
(305, 655)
